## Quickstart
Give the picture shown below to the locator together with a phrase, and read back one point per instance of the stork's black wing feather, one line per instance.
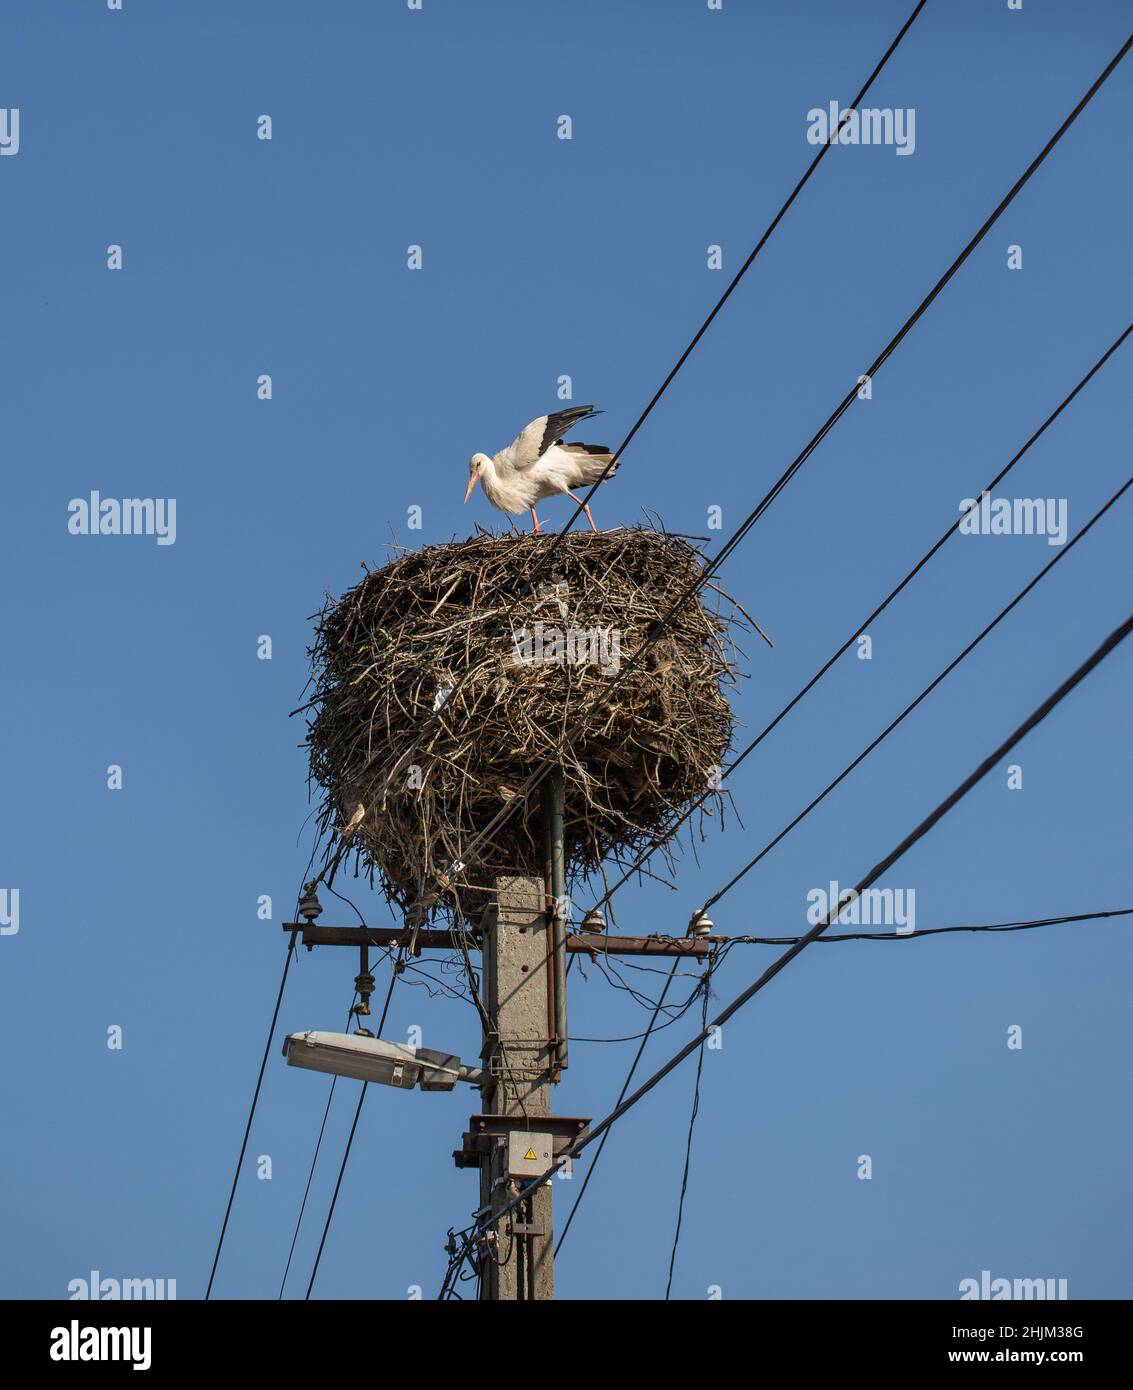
(563, 421)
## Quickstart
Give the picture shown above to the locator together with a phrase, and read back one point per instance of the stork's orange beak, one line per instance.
(471, 484)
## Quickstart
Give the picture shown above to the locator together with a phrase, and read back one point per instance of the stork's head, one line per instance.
(478, 465)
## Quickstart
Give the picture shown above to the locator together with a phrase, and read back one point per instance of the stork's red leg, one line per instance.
(585, 507)
(535, 519)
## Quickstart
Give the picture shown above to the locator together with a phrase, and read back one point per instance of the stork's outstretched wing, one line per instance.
(534, 441)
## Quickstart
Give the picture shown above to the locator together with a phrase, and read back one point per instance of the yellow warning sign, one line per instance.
(529, 1156)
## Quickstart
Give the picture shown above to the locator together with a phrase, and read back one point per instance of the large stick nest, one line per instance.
(444, 680)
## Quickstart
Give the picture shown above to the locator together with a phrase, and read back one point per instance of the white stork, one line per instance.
(536, 464)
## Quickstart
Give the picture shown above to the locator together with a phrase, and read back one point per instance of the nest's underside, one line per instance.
(444, 680)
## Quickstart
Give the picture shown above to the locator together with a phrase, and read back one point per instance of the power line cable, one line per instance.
(688, 1143)
(251, 1112)
(456, 1260)
(928, 931)
(349, 1143)
(621, 1096)
(315, 1155)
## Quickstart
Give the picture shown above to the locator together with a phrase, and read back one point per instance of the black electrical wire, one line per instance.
(314, 1156)
(615, 980)
(307, 1189)
(343, 898)
(456, 1262)
(673, 1012)
(349, 1142)
(688, 1142)
(251, 1112)
(649, 1030)
(931, 931)
(625, 1087)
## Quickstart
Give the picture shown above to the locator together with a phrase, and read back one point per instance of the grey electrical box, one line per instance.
(529, 1154)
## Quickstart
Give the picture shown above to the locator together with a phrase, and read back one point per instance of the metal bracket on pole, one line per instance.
(435, 939)
(485, 1131)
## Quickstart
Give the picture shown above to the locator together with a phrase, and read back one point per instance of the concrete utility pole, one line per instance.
(518, 1058)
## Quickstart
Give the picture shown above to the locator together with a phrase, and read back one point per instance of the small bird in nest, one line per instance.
(537, 464)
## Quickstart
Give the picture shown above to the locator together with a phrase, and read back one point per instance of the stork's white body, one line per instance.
(536, 465)
(554, 473)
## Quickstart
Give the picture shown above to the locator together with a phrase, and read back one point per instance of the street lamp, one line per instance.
(372, 1059)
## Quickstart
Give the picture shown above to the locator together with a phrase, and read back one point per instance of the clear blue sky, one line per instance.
(544, 257)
